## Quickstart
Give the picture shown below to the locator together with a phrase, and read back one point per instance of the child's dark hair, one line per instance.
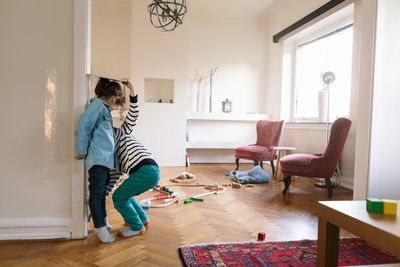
(106, 89)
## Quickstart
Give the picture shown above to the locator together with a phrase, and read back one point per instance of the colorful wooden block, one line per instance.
(261, 236)
(389, 207)
(187, 201)
(197, 199)
(374, 205)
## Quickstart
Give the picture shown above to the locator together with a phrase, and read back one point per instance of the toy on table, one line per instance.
(382, 206)
(389, 207)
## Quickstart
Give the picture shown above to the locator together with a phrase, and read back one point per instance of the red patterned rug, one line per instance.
(352, 251)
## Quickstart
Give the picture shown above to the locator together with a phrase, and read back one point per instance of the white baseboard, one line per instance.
(347, 182)
(199, 159)
(27, 228)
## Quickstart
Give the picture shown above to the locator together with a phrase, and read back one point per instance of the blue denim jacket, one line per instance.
(95, 135)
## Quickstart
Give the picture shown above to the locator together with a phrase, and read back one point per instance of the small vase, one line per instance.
(193, 99)
(203, 98)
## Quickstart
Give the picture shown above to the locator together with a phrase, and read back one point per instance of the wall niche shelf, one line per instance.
(158, 90)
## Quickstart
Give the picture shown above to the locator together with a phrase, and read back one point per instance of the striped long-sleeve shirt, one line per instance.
(130, 153)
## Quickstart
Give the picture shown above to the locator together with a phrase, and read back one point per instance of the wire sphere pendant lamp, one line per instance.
(167, 15)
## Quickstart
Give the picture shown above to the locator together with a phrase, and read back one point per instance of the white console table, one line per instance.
(227, 116)
(218, 132)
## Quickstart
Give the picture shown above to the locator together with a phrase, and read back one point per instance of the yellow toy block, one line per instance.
(389, 207)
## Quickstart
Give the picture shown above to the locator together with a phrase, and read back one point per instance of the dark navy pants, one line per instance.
(99, 178)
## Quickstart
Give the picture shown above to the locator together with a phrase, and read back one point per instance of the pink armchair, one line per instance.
(268, 134)
(317, 165)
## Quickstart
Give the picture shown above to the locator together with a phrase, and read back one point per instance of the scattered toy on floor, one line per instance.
(231, 173)
(236, 185)
(211, 186)
(261, 236)
(168, 200)
(163, 189)
(184, 177)
(175, 197)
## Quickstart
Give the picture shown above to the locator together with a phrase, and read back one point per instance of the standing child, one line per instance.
(144, 174)
(95, 143)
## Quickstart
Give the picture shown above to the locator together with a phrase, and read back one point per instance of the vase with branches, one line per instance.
(199, 78)
(211, 74)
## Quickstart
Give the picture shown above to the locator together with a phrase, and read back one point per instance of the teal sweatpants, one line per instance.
(145, 178)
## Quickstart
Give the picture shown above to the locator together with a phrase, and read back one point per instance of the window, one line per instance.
(331, 52)
(324, 46)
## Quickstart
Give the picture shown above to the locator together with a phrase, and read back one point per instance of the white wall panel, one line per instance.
(36, 160)
(111, 38)
(161, 55)
(384, 180)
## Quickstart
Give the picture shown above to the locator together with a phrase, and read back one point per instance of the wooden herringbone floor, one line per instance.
(237, 215)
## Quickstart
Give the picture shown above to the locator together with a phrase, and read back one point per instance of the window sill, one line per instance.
(318, 126)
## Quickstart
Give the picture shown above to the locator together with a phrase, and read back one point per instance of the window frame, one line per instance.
(308, 34)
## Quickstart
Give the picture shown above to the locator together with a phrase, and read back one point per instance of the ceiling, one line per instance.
(231, 8)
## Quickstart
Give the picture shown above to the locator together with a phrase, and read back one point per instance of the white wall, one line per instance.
(229, 40)
(237, 46)
(284, 14)
(155, 54)
(384, 180)
(111, 38)
(363, 71)
(37, 112)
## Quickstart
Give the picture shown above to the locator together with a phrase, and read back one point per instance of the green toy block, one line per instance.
(374, 205)
(187, 201)
(389, 207)
(197, 199)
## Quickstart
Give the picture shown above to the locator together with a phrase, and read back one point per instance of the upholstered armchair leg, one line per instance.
(272, 167)
(237, 164)
(261, 164)
(328, 185)
(286, 179)
(255, 163)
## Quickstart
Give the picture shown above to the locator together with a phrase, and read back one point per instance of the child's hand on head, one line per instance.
(128, 83)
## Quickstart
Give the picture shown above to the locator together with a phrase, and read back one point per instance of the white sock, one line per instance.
(109, 226)
(146, 222)
(127, 232)
(104, 235)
